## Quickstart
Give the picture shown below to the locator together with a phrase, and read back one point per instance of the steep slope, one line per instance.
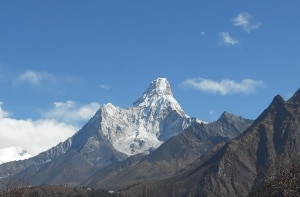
(172, 156)
(112, 134)
(241, 164)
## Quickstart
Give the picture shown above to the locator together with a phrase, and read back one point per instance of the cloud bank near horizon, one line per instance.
(55, 126)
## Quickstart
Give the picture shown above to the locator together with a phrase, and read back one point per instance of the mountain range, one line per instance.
(241, 165)
(113, 134)
(175, 155)
(155, 148)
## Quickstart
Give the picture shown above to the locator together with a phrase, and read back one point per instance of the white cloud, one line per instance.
(35, 78)
(227, 39)
(33, 136)
(71, 112)
(224, 87)
(3, 114)
(243, 20)
(36, 136)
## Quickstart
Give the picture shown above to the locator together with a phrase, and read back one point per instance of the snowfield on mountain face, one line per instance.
(126, 131)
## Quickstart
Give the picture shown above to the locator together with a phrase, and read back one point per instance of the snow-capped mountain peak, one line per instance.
(158, 88)
(155, 117)
(115, 133)
(158, 96)
(13, 154)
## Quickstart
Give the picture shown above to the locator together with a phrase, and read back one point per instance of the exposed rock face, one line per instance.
(241, 164)
(111, 135)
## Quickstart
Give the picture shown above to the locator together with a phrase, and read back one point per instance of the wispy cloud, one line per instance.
(212, 115)
(244, 20)
(33, 135)
(225, 86)
(34, 77)
(104, 86)
(71, 112)
(227, 39)
(289, 95)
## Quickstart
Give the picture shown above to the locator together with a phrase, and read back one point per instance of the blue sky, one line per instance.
(61, 60)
